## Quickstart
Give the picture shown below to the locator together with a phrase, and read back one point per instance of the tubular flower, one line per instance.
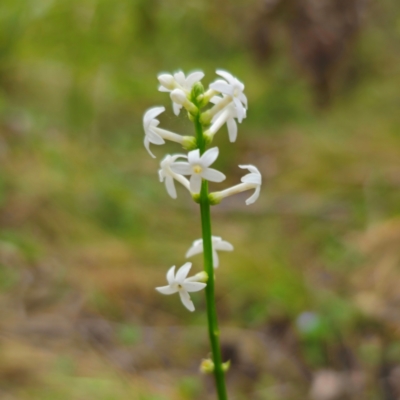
(226, 115)
(217, 244)
(156, 135)
(166, 174)
(179, 283)
(250, 181)
(233, 88)
(178, 80)
(198, 167)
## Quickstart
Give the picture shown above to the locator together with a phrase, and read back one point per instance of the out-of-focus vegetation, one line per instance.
(309, 301)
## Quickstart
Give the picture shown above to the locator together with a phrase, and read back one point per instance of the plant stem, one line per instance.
(213, 330)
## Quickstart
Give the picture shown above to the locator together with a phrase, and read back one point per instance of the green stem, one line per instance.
(213, 330)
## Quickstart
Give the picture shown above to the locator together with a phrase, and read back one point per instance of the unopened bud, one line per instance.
(167, 81)
(189, 143)
(178, 96)
(201, 277)
(207, 366)
(197, 91)
(226, 366)
(214, 198)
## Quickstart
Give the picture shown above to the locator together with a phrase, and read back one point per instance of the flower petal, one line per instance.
(181, 167)
(166, 289)
(194, 157)
(147, 146)
(209, 157)
(241, 112)
(222, 87)
(161, 175)
(223, 245)
(195, 183)
(250, 167)
(154, 137)
(176, 108)
(170, 186)
(226, 75)
(232, 129)
(213, 175)
(152, 113)
(171, 275)
(252, 178)
(186, 301)
(215, 259)
(254, 197)
(193, 78)
(195, 249)
(194, 286)
(243, 99)
(182, 272)
(180, 77)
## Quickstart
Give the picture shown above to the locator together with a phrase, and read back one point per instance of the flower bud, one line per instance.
(214, 198)
(167, 81)
(197, 90)
(178, 96)
(207, 366)
(200, 277)
(189, 143)
(226, 366)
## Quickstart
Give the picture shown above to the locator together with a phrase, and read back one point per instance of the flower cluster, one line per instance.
(222, 103)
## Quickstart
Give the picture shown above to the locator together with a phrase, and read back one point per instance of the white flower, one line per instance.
(197, 167)
(250, 181)
(178, 81)
(179, 283)
(228, 115)
(233, 88)
(156, 135)
(217, 244)
(165, 173)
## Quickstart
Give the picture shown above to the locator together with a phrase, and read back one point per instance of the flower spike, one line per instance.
(180, 283)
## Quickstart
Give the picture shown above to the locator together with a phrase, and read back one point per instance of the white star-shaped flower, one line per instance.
(226, 115)
(217, 244)
(253, 180)
(250, 181)
(166, 174)
(178, 80)
(233, 88)
(154, 134)
(198, 167)
(179, 283)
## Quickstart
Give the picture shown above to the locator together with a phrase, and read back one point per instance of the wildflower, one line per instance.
(156, 135)
(226, 115)
(166, 173)
(197, 167)
(217, 244)
(178, 81)
(250, 181)
(234, 88)
(179, 283)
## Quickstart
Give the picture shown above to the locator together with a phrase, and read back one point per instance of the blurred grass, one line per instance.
(88, 231)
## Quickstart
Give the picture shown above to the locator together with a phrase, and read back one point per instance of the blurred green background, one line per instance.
(308, 301)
